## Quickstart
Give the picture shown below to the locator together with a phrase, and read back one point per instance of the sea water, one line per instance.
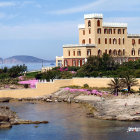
(30, 66)
(66, 122)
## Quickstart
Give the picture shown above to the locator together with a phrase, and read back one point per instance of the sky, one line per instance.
(40, 27)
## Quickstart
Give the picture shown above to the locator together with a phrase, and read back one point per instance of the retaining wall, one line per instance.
(51, 87)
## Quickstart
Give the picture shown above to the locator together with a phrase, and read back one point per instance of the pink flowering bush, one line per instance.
(73, 72)
(31, 83)
(63, 69)
(92, 92)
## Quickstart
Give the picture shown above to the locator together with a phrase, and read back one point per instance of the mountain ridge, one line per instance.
(24, 59)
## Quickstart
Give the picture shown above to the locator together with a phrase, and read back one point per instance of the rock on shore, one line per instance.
(122, 108)
(9, 118)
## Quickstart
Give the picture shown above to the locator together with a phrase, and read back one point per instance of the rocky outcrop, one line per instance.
(120, 108)
(9, 118)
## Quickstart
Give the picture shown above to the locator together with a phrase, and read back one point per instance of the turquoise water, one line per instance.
(66, 122)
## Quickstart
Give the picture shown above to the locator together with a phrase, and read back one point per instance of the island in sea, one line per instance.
(21, 59)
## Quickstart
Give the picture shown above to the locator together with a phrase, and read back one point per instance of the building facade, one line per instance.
(97, 37)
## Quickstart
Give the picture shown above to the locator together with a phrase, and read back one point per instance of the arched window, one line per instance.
(119, 52)
(119, 40)
(133, 52)
(115, 52)
(89, 40)
(98, 23)
(123, 52)
(105, 40)
(99, 52)
(105, 51)
(109, 40)
(110, 52)
(99, 41)
(89, 23)
(83, 41)
(114, 41)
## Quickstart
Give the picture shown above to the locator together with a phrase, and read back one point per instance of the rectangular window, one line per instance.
(133, 41)
(105, 40)
(119, 31)
(109, 40)
(79, 53)
(68, 53)
(123, 31)
(110, 31)
(74, 63)
(83, 32)
(105, 31)
(59, 63)
(89, 31)
(139, 41)
(99, 30)
(99, 41)
(89, 52)
(123, 41)
(73, 53)
(114, 31)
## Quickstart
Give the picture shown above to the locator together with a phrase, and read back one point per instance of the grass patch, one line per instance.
(31, 74)
(89, 88)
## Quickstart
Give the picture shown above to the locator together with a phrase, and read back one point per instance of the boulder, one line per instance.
(5, 99)
(4, 119)
(5, 125)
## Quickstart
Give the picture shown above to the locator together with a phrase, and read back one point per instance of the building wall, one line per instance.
(48, 88)
(94, 36)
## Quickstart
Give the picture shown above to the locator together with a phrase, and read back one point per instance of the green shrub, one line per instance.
(26, 85)
(85, 86)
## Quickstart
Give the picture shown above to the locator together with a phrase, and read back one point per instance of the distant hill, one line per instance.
(1, 60)
(25, 59)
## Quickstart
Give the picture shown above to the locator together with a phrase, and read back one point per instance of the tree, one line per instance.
(116, 85)
(128, 80)
(96, 65)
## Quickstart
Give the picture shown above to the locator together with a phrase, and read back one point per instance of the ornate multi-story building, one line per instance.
(97, 37)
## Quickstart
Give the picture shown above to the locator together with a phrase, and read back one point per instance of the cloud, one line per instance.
(7, 4)
(101, 5)
(77, 9)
